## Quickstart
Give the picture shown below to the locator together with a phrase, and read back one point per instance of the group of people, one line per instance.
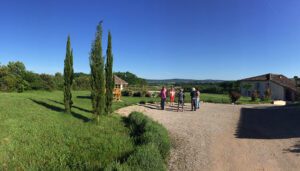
(195, 98)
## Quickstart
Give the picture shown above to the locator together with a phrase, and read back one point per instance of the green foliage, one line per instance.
(142, 102)
(213, 88)
(58, 81)
(38, 135)
(97, 74)
(127, 93)
(109, 76)
(82, 82)
(148, 131)
(146, 158)
(254, 95)
(131, 78)
(268, 94)
(68, 77)
(15, 77)
(234, 96)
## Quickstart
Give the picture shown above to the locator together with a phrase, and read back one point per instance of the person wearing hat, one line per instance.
(193, 99)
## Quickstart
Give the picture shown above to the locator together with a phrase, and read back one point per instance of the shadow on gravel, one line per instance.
(269, 123)
(58, 109)
(172, 108)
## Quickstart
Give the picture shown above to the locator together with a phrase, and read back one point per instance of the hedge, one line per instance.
(153, 145)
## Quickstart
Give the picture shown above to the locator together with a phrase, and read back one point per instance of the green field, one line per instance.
(36, 134)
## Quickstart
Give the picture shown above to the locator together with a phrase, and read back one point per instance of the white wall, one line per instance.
(277, 91)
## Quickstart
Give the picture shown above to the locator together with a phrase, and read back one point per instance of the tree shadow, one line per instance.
(84, 97)
(73, 106)
(269, 123)
(173, 108)
(58, 109)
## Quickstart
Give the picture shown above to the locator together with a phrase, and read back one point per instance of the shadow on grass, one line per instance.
(269, 123)
(84, 97)
(73, 106)
(58, 109)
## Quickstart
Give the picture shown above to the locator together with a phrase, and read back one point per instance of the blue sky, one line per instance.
(199, 39)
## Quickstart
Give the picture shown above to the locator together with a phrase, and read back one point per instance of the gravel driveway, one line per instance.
(230, 137)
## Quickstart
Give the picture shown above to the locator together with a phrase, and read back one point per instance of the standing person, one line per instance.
(180, 99)
(163, 96)
(172, 96)
(193, 99)
(198, 98)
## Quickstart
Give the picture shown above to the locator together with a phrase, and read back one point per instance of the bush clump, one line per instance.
(142, 102)
(151, 101)
(147, 158)
(150, 132)
(148, 94)
(234, 96)
(137, 94)
(254, 96)
(127, 93)
(153, 145)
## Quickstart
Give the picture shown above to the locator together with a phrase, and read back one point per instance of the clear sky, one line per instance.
(199, 39)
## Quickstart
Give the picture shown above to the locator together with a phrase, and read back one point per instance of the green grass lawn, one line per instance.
(36, 134)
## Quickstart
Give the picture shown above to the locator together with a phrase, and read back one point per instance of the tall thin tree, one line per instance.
(110, 84)
(97, 74)
(68, 77)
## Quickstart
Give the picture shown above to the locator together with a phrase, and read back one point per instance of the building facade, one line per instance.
(280, 87)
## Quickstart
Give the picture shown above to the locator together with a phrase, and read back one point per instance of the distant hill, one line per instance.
(182, 81)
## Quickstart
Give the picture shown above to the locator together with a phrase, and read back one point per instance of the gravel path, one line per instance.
(229, 137)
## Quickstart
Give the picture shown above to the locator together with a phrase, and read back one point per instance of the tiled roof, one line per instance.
(119, 81)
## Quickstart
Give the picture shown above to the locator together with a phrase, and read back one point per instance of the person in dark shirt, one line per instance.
(180, 100)
(193, 99)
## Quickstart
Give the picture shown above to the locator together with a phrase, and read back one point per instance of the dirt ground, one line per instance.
(230, 137)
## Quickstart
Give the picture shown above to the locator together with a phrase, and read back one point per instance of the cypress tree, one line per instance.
(68, 77)
(97, 74)
(110, 84)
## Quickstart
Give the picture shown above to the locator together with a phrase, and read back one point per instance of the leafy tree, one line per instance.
(82, 83)
(47, 82)
(58, 81)
(68, 77)
(97, 74)
(109, 76)
(131, 78)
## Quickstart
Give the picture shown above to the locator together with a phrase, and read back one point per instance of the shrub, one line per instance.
(148, 131)
(151, 101)
(146, 158)
(234, 96)
(116, 166)
(137, 94)
(127, 93)
(148, 94)
(158, 135)
(254, 96)
(142, 102)
(136, 123)
(267, 94)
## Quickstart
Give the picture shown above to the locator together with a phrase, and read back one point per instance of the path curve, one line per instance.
(206, 140)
